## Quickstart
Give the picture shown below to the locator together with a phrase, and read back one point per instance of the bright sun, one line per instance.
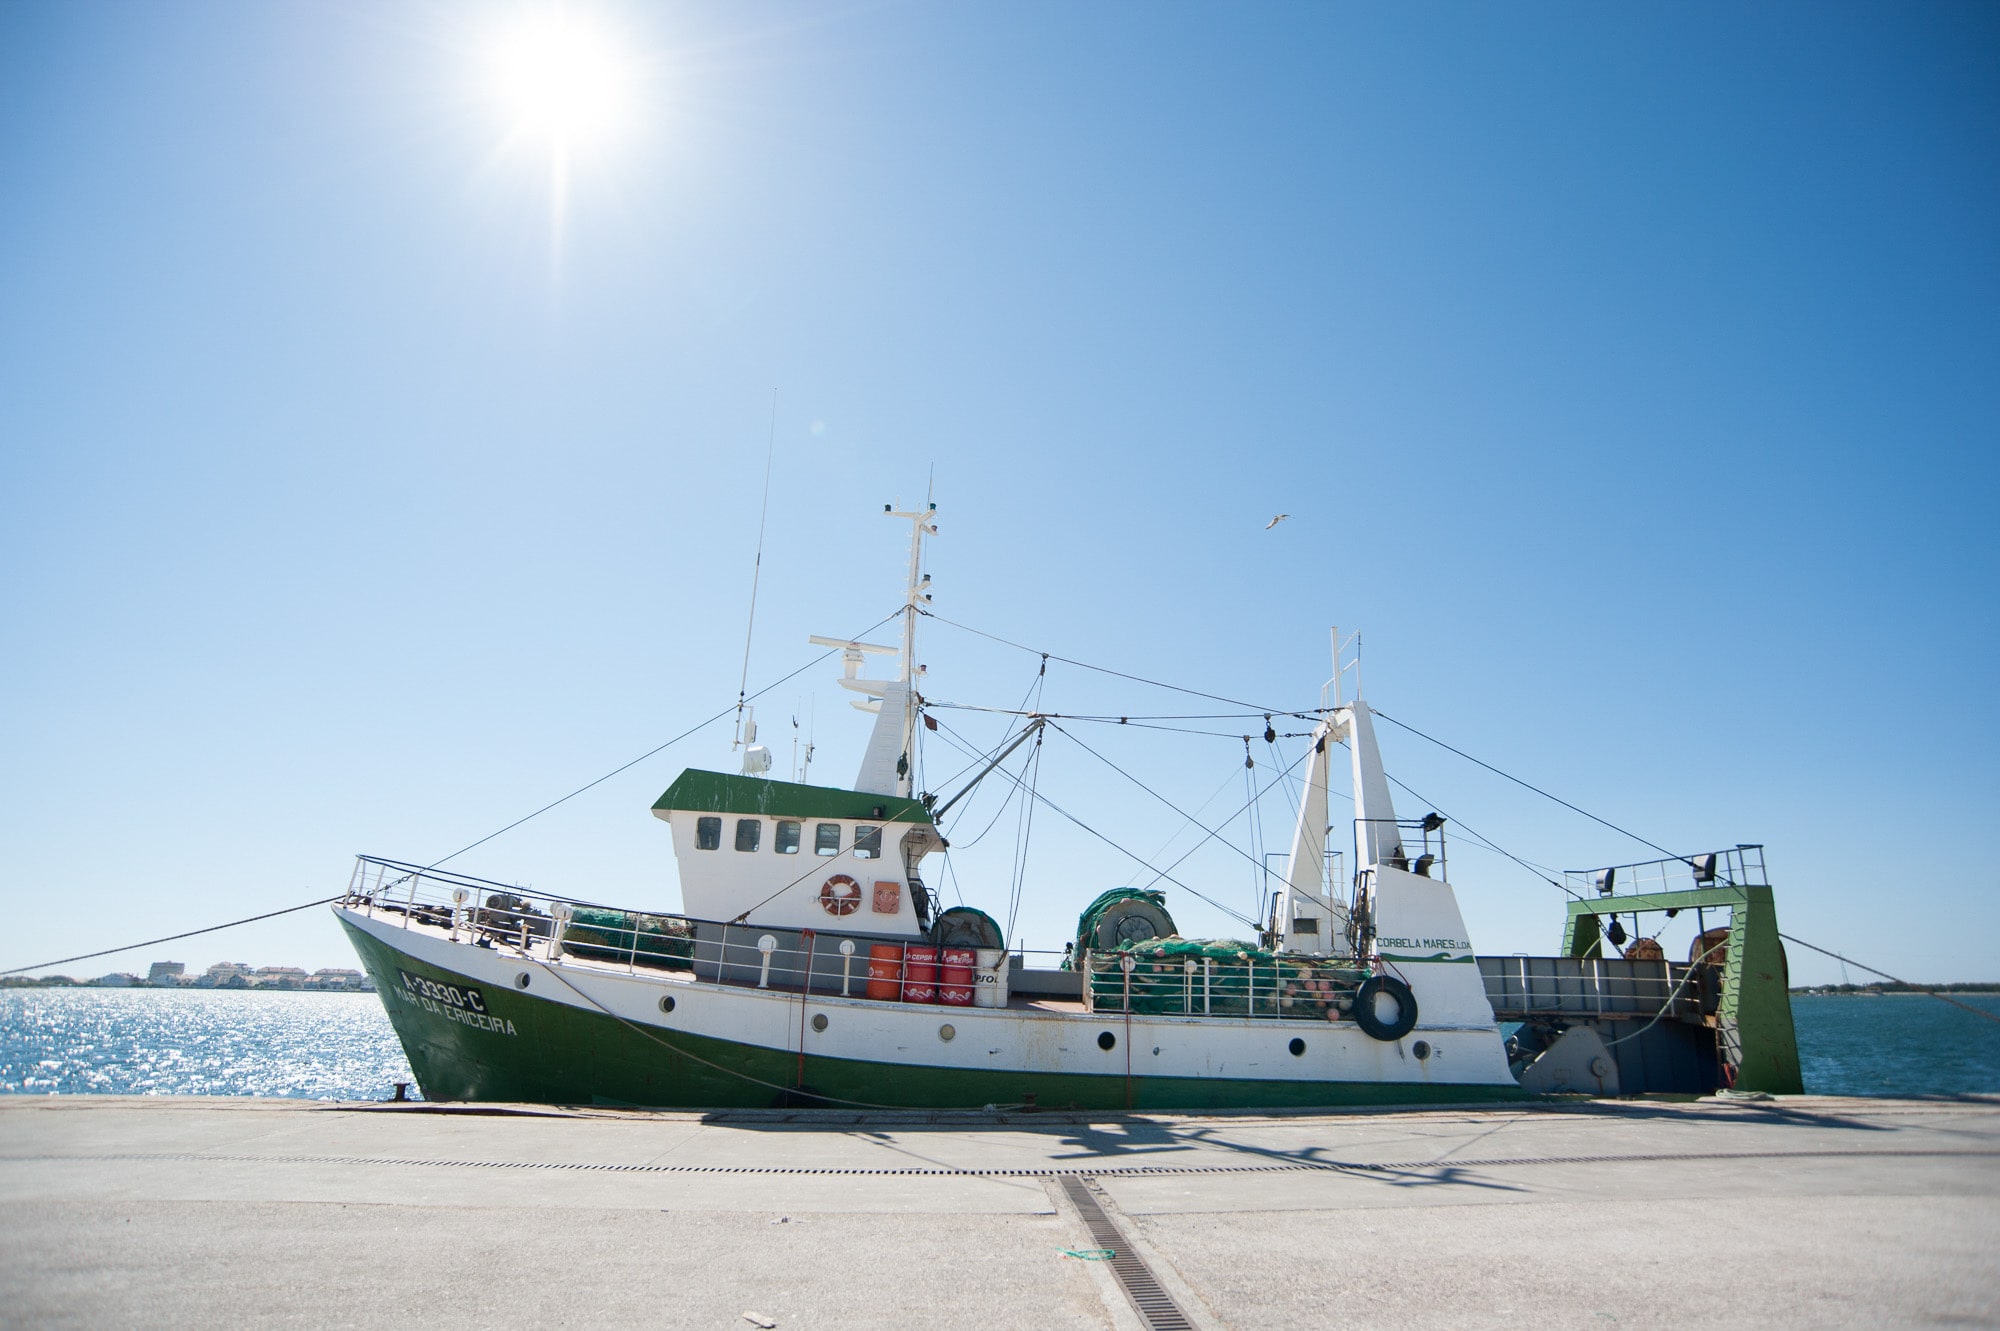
(561, 78)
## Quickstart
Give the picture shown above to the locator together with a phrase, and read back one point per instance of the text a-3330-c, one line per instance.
(462, 1003)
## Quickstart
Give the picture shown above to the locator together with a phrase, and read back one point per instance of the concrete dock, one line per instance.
(1793, 1212)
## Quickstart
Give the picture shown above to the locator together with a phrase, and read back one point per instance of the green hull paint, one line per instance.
(524, 1048)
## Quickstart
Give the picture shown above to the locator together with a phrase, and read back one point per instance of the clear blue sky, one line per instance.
(1628, 371)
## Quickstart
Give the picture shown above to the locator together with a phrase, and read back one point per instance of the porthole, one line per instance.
(819, 1021)
(667, 1003)
(946, 1032)
(1107, 1041)
(521, 980)
(1422, 1049)
(1297, 1046)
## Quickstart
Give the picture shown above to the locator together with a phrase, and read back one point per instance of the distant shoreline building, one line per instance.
(222, 975)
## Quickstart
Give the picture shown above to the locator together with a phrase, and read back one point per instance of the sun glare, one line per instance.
(561, 79)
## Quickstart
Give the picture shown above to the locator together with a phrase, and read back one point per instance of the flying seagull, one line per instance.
(1275, 521)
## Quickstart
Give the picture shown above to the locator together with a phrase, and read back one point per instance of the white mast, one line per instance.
(920, 524)
(1313, 920)
(888, 766)
(1376, 839)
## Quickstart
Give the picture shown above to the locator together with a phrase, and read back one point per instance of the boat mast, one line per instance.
(921, 523)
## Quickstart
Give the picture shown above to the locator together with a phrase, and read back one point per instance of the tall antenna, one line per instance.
(756, 574)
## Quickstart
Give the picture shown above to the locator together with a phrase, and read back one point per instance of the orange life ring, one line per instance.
(840, 895)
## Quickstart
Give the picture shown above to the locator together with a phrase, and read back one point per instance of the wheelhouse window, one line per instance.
(826, 839)
(748, 832)
(707, 833)
(788, 839)
(867, 843)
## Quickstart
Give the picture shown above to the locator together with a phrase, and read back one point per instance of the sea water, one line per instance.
(308, 1046)
(1897, 1044)
(340, 1047)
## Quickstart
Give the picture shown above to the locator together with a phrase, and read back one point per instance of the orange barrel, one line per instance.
(955, 977)
(920, 974)
(885, 971)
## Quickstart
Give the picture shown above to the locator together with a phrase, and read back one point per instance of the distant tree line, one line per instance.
(1897, 987)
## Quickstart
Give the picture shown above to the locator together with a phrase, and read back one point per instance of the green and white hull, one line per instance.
(494, 1024)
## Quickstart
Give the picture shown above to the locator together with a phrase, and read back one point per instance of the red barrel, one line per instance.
(885, 971)
(920, 974)
(955, 977)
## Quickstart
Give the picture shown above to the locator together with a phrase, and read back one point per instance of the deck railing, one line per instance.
(551, 929)
(1521, 987)
(1285, 986)
(1738, 866)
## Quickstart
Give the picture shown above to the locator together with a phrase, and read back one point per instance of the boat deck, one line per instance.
(538, 951)
(1016, 1002)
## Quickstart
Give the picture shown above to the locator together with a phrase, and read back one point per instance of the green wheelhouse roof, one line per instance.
(717, 792)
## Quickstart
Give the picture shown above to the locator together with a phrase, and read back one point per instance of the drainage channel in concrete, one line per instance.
(1149, 1298)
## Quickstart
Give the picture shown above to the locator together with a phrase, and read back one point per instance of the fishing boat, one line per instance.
(810, 964)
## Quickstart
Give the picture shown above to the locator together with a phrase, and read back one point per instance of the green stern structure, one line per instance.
(1754, 1015)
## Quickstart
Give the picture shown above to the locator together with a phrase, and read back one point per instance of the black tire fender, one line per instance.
(1364, 1007)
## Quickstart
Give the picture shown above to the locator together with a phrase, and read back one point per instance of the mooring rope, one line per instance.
(171, 938)
(1914, 988)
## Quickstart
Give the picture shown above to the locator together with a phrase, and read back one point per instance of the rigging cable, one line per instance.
(1271, 738)
(172, 938)
(1216, 835)
(1024, 831)
(1850, 961)
(1130, 722)
(991, 823)
(1033, 694)
(322, 901)
(1482, 841)
(1120, 674)
(1254, 828)
(757, 567)
(1249, 785)
(658, 748)
(1190, 818)
(1537, 789)
(1131, 855)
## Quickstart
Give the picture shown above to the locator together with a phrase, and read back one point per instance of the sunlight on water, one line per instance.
(197, 1042)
